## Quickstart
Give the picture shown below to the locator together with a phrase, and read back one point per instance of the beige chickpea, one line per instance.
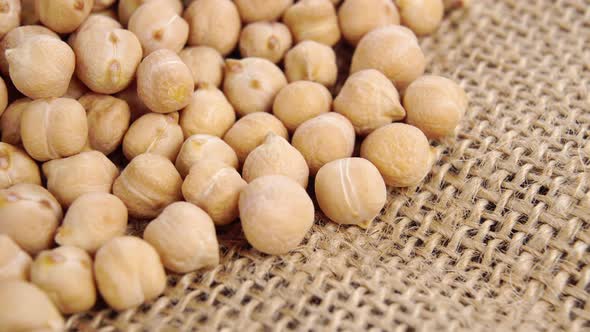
(126, 8)
(276, 157)
(63, 16)
(3, 96)
(94, 21)
(268, 40)
(401, 153)
(17, 36)
(276, 214)
(184, 236)
(205, 63)
(222, 35)
(358, 17)
(11, 119)
(209, 112)
(17, 167)
(102, 5)
(41, 66)
(76, 88)
(29, 214)
(327, 137)
(215, 187)
(72, 177)
(158, 26)
(262, 10)
(251, 130)
(300, 101)
(92, 220)
(15, 263)
(154, 133)
(108, 120)
(29, 14)
(25, 307)
(164, 83)
(435, 105)
(53, 128)
(251, 84)
(313, 20)
(10, 11)
(65, 274)
(136, 106)
(369, 100)
(199, 147)
(423, 17)
(350, 191)
(311, 61)
(394, 51)
(128, 272)
(147, 185)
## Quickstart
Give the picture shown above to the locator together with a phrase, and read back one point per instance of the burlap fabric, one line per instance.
(496, 238)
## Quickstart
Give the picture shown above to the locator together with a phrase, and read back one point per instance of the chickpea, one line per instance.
(435, 105)
(300, 101)
(108, 120)
(10, 11)
(205, 63)
(15, 263)
(311, 61)
(394, 51)
(11, 119)
(102, 5)
(313, 20)
(358, 17)
(209, 113)
(17, 167)
(251, 84)
(423, 17)
(76, 89)
(126, 8)
(164, 83)
(29, 214)
(223, 37)
(268, 40)
(16, 37)
(65, 274)
(199, 147)
(327, 137)
(63, 16)
(262, 10)
(251, 130)
(276, 213)
(147, 185)
(3, 96)
(25, 307)
(41, 66)
(29, 14)
(154, 133)
(128, 272)
(94, 21)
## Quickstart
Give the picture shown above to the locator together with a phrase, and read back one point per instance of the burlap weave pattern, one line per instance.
(496, 238)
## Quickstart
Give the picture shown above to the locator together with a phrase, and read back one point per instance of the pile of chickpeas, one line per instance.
(223, 110)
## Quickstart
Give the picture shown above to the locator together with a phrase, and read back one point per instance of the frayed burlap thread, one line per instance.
(496, 238)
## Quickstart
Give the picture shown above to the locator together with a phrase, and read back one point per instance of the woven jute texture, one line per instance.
(496, 238)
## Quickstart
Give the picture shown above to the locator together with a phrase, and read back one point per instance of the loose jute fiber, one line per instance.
(496, 238)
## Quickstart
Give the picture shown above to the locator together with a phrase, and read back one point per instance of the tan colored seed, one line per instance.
(10, 11)
(154, 133)
(25, 307)
(313, 20)
(358, 17)
(262, 10)
(94, 21)
(15, 263)
(268, 40)
(17, 167)
(10, 121)
(423, 17)
(300, 101)
(199, 147)
(205, 63)
(311, 61)
(222, 35)
(63, 16)
(17, 36)
(209, 112)
(126, 8)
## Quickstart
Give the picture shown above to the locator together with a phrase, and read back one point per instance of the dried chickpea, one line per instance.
(423, 17)
(147, 185)
(358, 17)
(17, 36)
(369, 100)
(300, 101)
(313, 20)
(184, 236)
(251, 84)
(394, 51)
(65, 274)
(41, 66)
(15, 263)
(262, 10)
(25, 307)
(29, 214)
(17, 167)
(76, 89)
(108, 120)
(94, 21)
(311, 61)
(214, 23)
(164, 83)
(327, 137)
(53, 128)
(215, 187)
(268, 40)
(251, 130)
(102, 5)
(158, 26)
(350, 191)
(435, 105)
(136, 106)
(126, 8)
(205, 63)
(10, 11)
(10, 121)
(128, 272)
(3, 96)
(199, 147)
(63, 16)
(401, 153)
(154, 133)
(276, 213)
(29, 14)
(276, 157)
(209, 113)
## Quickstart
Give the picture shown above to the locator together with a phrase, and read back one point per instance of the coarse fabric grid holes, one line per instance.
(496, 238)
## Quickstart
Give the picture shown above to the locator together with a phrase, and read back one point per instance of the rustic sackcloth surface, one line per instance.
(496, 238)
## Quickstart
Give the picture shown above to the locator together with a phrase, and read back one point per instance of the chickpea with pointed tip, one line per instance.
(17, 36)
(199, 147)
(17, 167)
(311, 61)
(313, 20)
(94, 21)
